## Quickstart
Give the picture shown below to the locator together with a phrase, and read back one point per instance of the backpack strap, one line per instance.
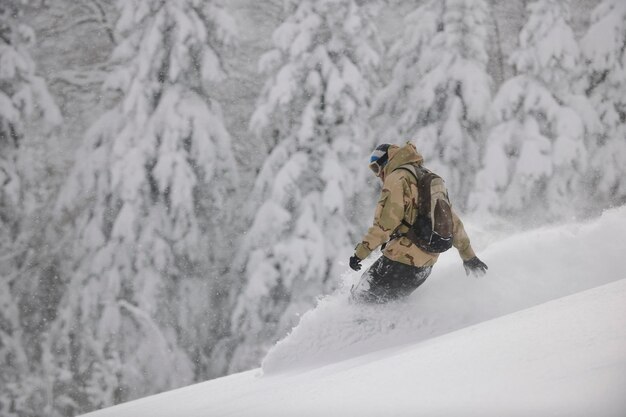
(410, 168)
(423, 178)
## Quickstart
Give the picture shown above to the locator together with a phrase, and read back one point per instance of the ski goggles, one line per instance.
(379, 159)
(376, 169)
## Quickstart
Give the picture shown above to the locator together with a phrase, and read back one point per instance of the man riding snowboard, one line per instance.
(413, 228)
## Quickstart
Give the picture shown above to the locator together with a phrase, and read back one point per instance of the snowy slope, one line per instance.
(445, 352)
(563, 358)
(524, 270)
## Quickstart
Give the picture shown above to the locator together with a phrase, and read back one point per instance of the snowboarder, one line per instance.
(404, 265)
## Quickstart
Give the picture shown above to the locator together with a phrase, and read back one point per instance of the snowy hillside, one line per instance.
(524, 270)
(497, 346)
(563, 358)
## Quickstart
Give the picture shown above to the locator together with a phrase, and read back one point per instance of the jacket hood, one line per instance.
(399, 156)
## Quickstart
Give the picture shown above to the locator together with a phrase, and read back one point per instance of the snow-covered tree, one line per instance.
(313, 112)
(148, 199)
(13, 361)
(604, 48)
(23, 95)
(24, 98)
(536, 156)
(440, 89)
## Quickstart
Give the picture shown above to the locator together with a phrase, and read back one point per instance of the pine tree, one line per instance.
(536, 155)
(440, 89)
(24, 98)
(148, 199)
(23, 95)
(604, 48)
(313, 112)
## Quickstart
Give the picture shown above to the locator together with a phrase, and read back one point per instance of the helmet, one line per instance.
(379, 158)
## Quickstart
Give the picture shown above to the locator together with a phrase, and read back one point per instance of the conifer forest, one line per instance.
(182, 179)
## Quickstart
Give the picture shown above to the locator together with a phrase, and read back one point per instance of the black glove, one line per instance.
(355, 263)
(475, 266)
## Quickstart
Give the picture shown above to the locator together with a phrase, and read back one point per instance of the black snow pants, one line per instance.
(388, 280)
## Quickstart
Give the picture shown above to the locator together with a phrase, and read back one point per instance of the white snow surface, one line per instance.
(524, 270)
(544, 333)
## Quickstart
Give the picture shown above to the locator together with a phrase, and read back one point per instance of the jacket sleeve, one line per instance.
(460, 240)
(388, 216)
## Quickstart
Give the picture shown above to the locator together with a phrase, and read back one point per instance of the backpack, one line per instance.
(432, 229)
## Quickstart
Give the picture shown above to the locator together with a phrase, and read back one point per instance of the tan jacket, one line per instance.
(398, 201)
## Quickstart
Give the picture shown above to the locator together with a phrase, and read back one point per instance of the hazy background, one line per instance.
(183, 179)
